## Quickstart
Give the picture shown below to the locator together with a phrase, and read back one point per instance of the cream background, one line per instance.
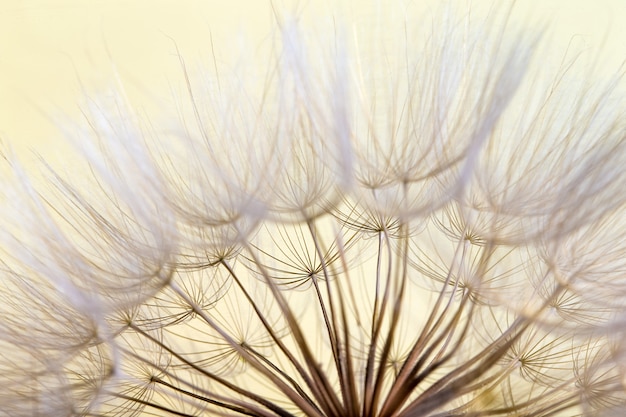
(53, 52)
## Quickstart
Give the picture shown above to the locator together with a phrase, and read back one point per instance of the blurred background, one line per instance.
(55, 53)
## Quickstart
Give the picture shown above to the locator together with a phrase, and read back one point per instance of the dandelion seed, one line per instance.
(377, 234)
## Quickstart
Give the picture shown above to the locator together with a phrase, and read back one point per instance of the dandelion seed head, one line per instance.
(420, 224)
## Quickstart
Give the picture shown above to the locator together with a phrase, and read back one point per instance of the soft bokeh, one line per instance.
(54, 53)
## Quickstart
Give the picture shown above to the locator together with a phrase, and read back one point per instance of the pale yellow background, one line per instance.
(52, 52)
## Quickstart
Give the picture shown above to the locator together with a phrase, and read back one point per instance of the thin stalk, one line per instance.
(210, 375)
(377, 321)
(328, 399)
(394, 320)
(428, 332)
(239, 410)
(276, 339)
(346, 383)
(150, 404)
(282, 386)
